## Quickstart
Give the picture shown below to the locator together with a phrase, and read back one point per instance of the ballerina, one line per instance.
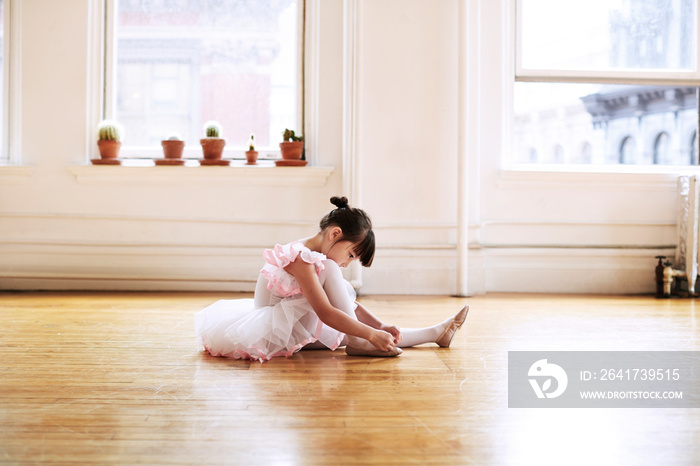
(301, 301)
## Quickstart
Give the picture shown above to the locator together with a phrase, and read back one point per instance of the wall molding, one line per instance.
(227, 176)
(464, 153)
(130, 229)
(600, 270)
(15, 174)
(13, 94)
(150, 218)
(95, 74)
(312, 70)
(350, 157)
(39, 265)
(129, 267)
(607, 235)
(50, 283)
(42, 263)
(589, 179)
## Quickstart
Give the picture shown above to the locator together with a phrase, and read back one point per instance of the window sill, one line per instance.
(15, 174)
(596, 177)
(265, 174)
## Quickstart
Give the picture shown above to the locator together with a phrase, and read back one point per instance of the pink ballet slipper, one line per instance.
(446, 338)
(375, 353)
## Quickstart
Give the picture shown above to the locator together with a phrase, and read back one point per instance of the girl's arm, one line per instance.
(305, 274)
(365, 316)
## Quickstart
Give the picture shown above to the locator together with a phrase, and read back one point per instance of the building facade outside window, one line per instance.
(180, 63)
(610, 76)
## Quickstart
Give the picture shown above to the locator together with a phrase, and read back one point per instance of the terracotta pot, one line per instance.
(251, 157)
(172, 149)
(212, 147)
(291, 150)
(109, 149)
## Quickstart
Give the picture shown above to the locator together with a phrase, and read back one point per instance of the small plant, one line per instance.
(213, 144)
(251, 154)
(109, 141)
(292, 148)
(212, 129)
(289, 135)
(109, 130)
(173, 147)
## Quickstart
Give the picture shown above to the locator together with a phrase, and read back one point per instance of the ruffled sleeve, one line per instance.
(276, 259)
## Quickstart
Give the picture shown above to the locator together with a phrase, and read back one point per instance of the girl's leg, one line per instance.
(336, 289)
(441, 333)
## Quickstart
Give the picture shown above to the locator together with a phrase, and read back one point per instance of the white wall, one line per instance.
(65, 225)
(407, 140)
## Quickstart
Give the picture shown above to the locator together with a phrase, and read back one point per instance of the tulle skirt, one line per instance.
(234, 328)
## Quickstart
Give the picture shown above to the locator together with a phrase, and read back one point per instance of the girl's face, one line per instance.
(342, 253)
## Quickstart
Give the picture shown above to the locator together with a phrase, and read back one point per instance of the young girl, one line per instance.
(302, 301)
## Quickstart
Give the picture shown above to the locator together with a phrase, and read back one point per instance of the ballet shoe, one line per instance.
(446, 338)
(375, 353)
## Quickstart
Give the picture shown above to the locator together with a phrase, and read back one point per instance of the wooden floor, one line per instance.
(118, 379)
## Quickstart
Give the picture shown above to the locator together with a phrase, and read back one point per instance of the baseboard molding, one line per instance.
(111, 284)
(572, 270)
(396, 270)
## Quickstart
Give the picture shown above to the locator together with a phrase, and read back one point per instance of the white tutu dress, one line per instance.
(279, 321)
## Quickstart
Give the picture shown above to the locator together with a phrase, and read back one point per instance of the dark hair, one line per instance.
(356, 226)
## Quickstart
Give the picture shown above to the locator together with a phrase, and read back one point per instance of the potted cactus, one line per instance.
(212, 144)
(251, 154)
(109, 137)
(173, 147)
(292, 146)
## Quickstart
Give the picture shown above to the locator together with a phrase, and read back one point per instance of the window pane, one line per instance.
(609, 34)
(181, 63)
(604, 124)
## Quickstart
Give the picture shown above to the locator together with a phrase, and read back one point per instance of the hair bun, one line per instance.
(340, 202)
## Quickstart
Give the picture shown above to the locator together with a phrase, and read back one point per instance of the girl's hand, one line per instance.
(382, 340)
(394, 331)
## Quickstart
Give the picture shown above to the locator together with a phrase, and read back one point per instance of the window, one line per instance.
(661, 150)
(606, 81)
(558, 154)
(628, 151)
(586, 153)
(180, 63)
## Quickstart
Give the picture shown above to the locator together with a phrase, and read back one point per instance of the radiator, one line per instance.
(686, 262)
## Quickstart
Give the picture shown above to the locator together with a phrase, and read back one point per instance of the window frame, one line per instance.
(4, 148)
(11, 88)
(512, 22)
(620, 76)
(106, 93)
